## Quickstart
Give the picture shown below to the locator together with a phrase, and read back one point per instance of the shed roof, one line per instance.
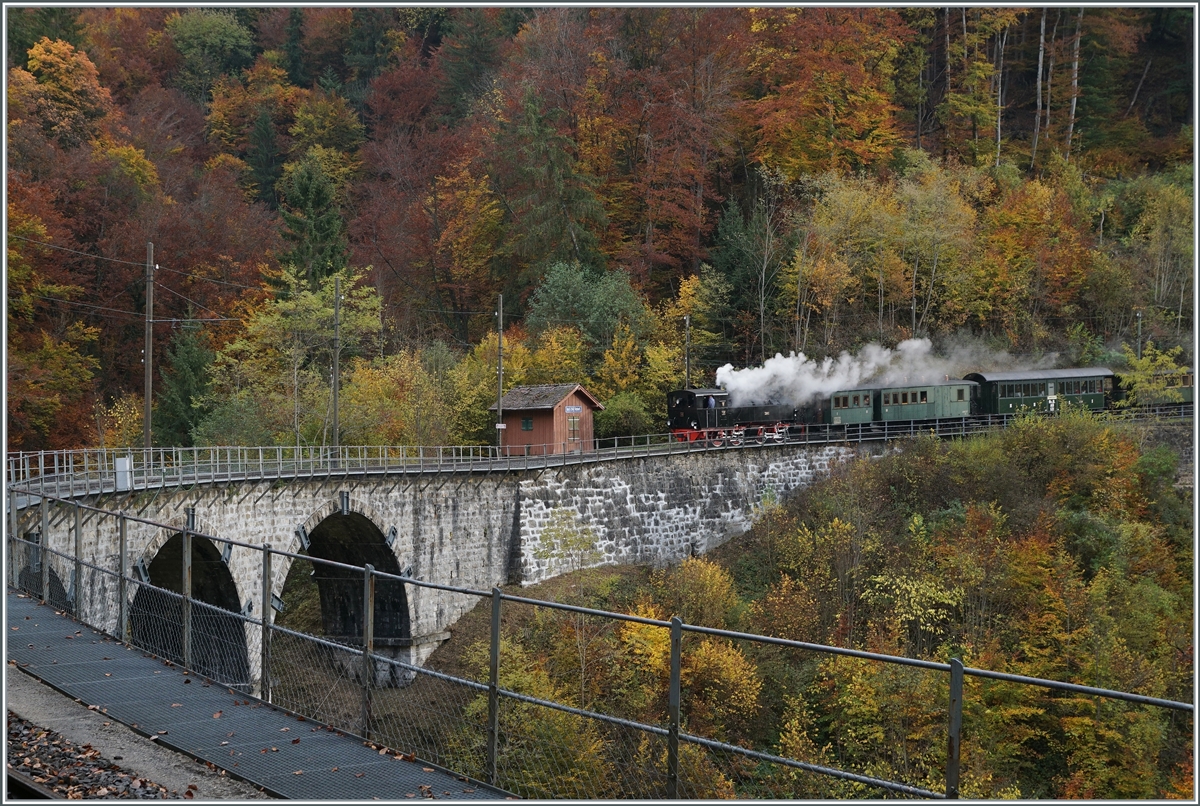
(1041, 374)
(526, 398)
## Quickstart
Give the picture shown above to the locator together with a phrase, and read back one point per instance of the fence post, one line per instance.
(187, 591)
(78, 561)
(122, 585)
(368, 669)
(264, 684)
(493, 726)
(14, 525)
(673, 711)
(954, 739)
(44, 548)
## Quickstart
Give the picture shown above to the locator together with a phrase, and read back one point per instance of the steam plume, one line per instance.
(798, 380)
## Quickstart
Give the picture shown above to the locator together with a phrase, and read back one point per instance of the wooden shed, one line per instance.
(555, 418)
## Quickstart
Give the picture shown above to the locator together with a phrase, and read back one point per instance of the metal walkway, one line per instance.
(288, 756)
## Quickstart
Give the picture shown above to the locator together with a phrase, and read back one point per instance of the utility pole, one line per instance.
(1139, 353)
(499, 373)
(687, 351)
(337, 350)
(149, 351)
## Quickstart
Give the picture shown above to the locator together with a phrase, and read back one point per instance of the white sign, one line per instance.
(574, 409)
(501, 426)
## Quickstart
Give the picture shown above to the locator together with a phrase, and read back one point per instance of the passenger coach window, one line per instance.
(924, 397)
(960, 394)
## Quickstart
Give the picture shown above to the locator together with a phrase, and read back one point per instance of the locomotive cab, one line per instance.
(696, 408)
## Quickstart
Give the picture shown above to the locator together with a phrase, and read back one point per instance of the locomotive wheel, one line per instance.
(716, 442)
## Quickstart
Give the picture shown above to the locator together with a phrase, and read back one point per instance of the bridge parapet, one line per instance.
(95, 471)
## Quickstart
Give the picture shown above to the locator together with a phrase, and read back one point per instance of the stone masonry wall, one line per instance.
(660, 510)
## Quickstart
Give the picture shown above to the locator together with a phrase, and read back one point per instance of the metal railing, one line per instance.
(95, 471)
(495, 720)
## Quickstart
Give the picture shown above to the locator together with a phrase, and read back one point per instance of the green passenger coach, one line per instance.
(850, 406)
(930, 401)
(1042, 390)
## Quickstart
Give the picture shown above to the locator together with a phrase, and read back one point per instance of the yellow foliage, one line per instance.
(698, 591)
(648, 644)
(119, 425)
(721, 689)
(619, 371)
(788, 610)
(558, 356)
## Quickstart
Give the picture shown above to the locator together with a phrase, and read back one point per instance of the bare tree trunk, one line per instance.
(1037, 117)
(966, 72)
(946, 125)
(916, 269)
(1138, 88)
(801, 295)
(929, 292)
(1074, 80)
(921, 103)
(1050, 70)
(880, 293)
(1000, 93)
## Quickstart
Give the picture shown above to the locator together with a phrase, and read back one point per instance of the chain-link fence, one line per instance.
(693, 727)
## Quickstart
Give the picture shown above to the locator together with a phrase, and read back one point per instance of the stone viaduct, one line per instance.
(474, 528)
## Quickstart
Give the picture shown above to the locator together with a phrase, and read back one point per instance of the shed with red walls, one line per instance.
(555, 418)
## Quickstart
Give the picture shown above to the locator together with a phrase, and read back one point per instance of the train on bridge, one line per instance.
(707, 414)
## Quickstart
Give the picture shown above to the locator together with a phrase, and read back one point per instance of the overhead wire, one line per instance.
(75, 251)
(133, 314)
(157, 267)
(88, 305)
(186, 299)
(208, 279)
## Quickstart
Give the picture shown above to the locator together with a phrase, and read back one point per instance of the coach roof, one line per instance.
(1041, 374)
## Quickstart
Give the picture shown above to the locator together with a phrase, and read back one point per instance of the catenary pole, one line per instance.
(337, 349)
(687, 351)
(149, 351)
(499, 373)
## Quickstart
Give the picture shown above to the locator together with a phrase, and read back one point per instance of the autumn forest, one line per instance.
(790, 179)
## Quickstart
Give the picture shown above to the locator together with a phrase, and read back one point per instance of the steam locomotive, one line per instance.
(707, 414)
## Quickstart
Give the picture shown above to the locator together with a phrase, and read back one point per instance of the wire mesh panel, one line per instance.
(219, 646)
(63, 585)
(435, 717)
(546, 753)
(44, 573)
(743, 700)
(317, 678)
(26, 563)
(98, 599)
(636, 762)
(156, 621)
